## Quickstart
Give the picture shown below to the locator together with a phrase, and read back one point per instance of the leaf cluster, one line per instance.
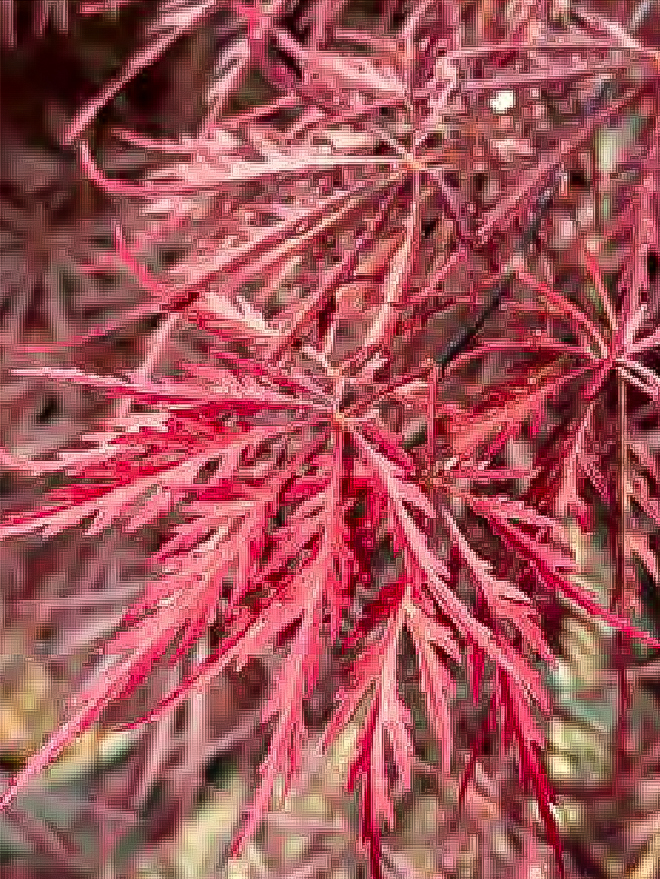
(397, 277)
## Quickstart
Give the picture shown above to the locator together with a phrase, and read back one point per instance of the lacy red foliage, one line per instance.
(337, 244)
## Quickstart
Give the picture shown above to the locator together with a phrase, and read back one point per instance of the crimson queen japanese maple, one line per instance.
(338, 234)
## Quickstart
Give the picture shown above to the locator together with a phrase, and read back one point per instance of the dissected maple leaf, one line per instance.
(269, 467)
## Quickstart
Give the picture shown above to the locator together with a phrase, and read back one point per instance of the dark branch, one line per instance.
(543, 204)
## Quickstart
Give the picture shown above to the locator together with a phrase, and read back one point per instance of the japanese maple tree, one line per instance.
(341, 229)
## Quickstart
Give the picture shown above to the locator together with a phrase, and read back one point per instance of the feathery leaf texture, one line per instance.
(277, 462)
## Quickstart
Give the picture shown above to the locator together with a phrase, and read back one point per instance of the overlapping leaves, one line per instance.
(266, 469)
